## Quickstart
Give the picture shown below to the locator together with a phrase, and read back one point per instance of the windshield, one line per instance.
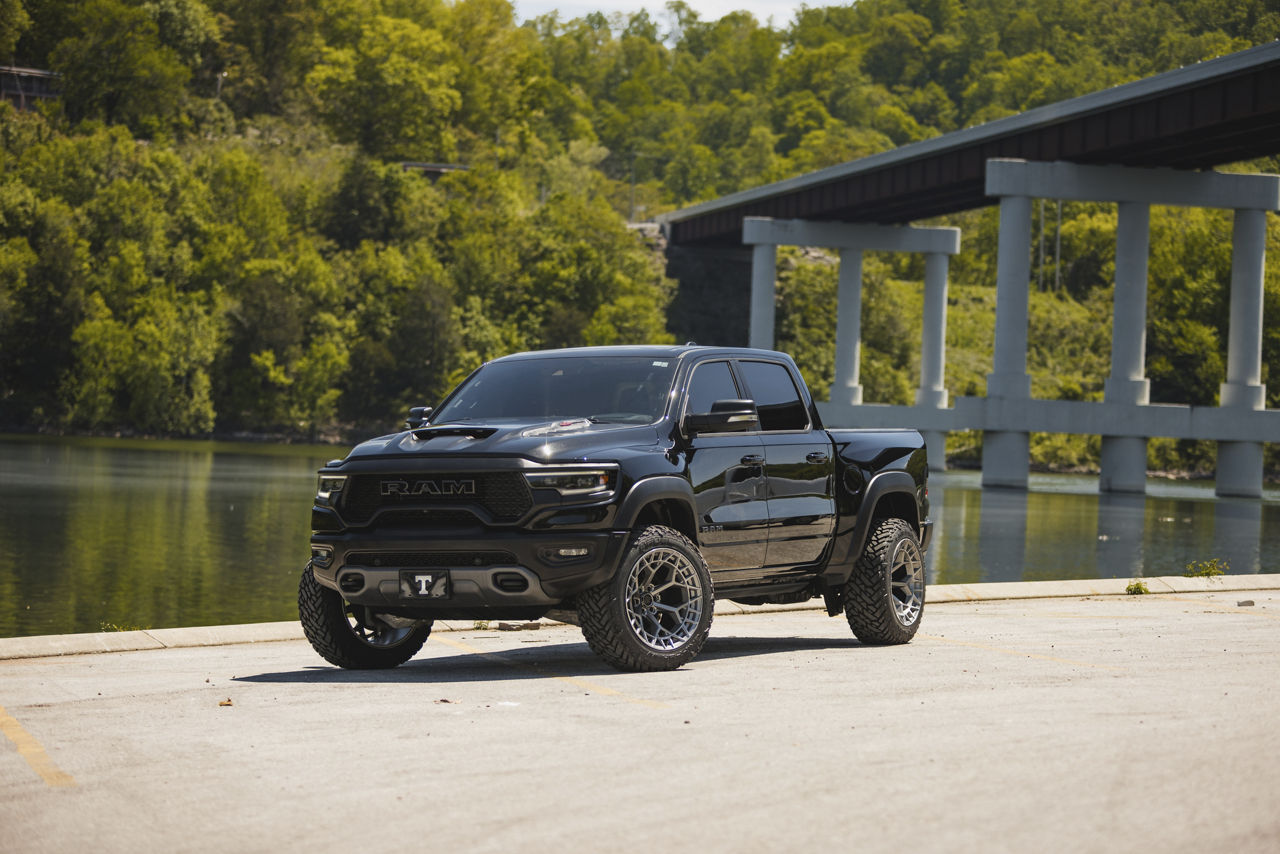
(624, 389)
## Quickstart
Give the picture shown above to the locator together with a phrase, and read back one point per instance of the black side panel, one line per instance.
(653, 489)
(849, 542)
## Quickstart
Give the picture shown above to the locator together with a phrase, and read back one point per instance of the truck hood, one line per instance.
(574, 439)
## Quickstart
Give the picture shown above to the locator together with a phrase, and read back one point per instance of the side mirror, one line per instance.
(417, 417)
(726, 416)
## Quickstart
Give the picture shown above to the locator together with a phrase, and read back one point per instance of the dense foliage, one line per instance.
(222, 225)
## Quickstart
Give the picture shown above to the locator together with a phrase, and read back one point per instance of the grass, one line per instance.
(116, 627)
(1206, 568)
(1136, 588)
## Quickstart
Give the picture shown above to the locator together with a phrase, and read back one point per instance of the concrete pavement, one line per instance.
(1116, 723)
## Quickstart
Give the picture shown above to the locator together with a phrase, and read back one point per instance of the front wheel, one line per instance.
(655, 613)
(355, 636)
(884, 597)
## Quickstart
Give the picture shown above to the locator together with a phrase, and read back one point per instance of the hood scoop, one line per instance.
(426, 433)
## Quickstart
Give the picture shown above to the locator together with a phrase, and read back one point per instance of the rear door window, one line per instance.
(776, 396)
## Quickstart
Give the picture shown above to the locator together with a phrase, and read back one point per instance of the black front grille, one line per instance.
(425, 559)
(427, 520)
(504, 495)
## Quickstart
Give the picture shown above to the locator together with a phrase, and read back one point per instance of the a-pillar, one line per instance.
(1006, 454)
(1124, 458)
(1240, 463)
(933, 353)
(847, 388)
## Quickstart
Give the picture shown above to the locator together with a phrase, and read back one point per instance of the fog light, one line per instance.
(574, 552)
(321, 556)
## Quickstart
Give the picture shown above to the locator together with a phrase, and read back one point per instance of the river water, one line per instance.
(100, 534)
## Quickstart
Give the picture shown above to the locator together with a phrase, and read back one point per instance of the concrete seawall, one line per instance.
(40, 646)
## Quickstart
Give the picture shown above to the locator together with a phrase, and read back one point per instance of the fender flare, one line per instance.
(651, 489)
(849, 546)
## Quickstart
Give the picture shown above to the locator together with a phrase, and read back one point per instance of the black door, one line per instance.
(799, 467)
(727, 474)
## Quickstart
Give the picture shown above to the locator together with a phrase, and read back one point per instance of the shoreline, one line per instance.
(90, 643)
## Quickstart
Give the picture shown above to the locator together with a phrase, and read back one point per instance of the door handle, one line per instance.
(752, 459)
(817, 457)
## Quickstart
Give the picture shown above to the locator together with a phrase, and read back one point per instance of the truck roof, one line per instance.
(641, 350)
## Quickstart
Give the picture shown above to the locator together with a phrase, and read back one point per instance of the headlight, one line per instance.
(585, 482)
(328, 485)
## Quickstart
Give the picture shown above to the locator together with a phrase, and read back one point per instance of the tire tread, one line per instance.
(598, 608)
(867, 599)
(324, 623)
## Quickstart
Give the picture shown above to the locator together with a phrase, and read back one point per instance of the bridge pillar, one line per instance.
(1006, 455)
(1134, 189)
(852, 240)
(764, 271)
(1240, 463)
(933, 353)
(1124, 458)
(847, 387)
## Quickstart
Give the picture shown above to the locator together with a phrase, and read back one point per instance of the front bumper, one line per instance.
(500, 573)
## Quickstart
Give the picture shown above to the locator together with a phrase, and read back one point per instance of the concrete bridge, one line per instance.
(1136, 145)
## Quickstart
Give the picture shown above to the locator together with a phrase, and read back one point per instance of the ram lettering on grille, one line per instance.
(429, 487)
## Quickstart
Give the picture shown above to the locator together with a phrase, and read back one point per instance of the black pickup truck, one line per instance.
(621, 488)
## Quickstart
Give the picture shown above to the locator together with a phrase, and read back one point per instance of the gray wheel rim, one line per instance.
(371, 631)
(664, 599)
(906, 582)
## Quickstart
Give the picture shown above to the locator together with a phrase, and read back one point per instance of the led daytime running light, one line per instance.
(331, 483)
(573, 482)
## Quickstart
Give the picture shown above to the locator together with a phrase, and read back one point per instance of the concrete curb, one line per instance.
(41, 646)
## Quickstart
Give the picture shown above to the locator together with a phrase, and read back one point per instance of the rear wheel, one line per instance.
(655, 613)
(884, 597)
(355, 636)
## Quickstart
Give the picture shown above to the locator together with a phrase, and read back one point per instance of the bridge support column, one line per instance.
(1124, 458)
(764, 269)
(1006, 456)
(1240, 463)
(933, 353)
(852, 240)
(847, 387)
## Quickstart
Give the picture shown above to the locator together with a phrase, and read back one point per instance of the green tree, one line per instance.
(14, 21)
(382, 203)
(270, 46)
(406, 339)
(116, 69)
(393, 93)
(497, 74)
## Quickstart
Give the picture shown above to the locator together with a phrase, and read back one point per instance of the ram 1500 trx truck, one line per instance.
(622, 488)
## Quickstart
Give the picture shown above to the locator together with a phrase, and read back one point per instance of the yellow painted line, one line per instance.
(1021, 654)
(571, 680)
(33, 751)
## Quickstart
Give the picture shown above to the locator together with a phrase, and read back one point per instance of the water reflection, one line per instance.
(95, 533)
(1063, 528)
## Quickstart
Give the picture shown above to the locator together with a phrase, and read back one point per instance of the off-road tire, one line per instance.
(884, 597)
(655, 613)
(327, 621)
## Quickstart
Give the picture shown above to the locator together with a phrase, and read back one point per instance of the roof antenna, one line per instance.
(691, 343)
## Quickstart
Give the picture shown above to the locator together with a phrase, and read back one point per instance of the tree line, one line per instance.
(219, 226)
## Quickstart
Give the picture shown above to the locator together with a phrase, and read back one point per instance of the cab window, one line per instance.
(776, 396)
(711, 381)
